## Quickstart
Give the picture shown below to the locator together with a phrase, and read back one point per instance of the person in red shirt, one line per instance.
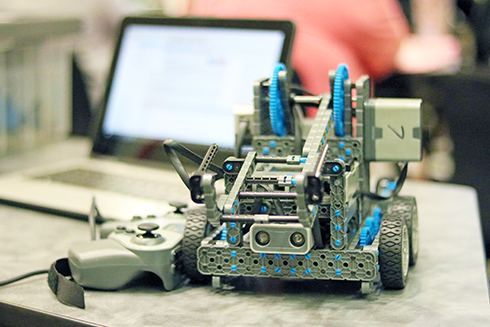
(363, 34)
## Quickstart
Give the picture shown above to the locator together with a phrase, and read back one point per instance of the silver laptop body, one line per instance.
(170, 78)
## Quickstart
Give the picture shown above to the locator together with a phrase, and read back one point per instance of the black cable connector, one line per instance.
(399, 184)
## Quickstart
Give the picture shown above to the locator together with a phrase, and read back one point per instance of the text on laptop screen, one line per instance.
(183, 82)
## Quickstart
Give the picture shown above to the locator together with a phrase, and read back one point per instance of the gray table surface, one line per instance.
(447, 287)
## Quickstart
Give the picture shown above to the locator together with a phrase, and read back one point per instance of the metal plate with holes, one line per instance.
(353, 265)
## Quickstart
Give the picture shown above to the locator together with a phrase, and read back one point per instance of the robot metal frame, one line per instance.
(298, 203)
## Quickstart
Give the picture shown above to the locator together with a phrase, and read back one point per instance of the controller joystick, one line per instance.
(178, 207)
(148, 228)
(148, 238)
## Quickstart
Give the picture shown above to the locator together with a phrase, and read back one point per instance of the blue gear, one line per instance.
(369, 232)
(365, 236)
(223, 233)
(276, 109)
(341, 76)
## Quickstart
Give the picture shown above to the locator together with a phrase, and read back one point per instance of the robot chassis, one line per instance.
(300, 207)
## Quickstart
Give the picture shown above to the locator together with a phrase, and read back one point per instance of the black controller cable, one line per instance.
(24, 276)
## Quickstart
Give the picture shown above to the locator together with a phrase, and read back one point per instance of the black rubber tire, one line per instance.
(394, 252)
(196, 229)
(406, 206)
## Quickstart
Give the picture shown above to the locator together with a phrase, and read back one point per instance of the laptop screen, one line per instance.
(181, 78)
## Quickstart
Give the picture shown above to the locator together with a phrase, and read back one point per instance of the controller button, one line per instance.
(130, 230)
(137, 218)
(151, 216)
(121, 228)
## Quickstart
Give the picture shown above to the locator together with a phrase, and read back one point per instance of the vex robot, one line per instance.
(298, 203)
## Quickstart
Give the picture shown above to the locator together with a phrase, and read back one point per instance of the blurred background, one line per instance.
(55, 57)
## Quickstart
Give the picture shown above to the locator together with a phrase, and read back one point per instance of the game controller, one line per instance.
(128, 249)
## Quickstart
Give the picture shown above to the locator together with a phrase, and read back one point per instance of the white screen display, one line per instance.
(183, 82)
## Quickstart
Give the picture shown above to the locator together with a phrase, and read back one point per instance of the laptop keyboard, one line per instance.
(108, 182)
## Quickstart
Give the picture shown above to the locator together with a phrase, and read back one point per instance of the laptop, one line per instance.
(173, 78)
